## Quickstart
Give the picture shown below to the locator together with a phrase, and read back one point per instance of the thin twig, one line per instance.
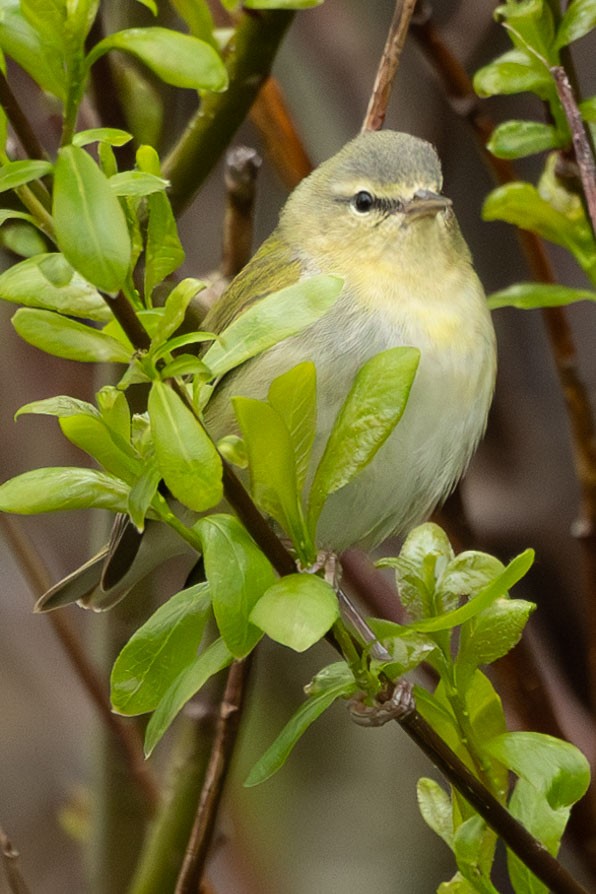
(230, 710)
(126, 734)
(581, 145)
(10, 861)
(396, 38)
(20, 123)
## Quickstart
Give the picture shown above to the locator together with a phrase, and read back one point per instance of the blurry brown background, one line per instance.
(342, 815)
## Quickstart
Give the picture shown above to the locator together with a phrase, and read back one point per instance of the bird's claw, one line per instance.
(398, 705)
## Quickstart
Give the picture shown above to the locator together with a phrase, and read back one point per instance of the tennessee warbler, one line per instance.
(375, 216)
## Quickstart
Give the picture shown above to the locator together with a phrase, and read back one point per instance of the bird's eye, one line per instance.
(363, 201)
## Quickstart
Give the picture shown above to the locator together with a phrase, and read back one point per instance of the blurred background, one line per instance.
(342, 815)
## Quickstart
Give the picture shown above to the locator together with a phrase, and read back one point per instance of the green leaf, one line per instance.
(465, 575)
(48, 281)
(435, 807)
(272, 466)
(17, 173)
(406, 651)
(52, 489)
(159, 651)
(30, 49)
(531, 808)
(294, 396)
(206, 665)
(186, 456)
(297, 611)
(90, 434)
(470, 844)
(556, 768)
(238, 574)
(115, 412)
(197, 15)
(142, 494)
(163, 250)
(516, 569)
(514, 72)
(372, 409)
(579, 19)
(114, 136)
(270, 320)
(61, 405)
(90, 225)
(66, 338)
(423, 558)
(588, 109)
(493, 633)
(522, 205)
(530, 295)
(330, 677)
(278, 753)
(173, 315)
(62, 337)
(136, 184)
(178, 59)
(516, 139)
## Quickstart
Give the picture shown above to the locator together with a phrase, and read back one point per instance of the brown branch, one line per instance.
(396, 38)
(581, 145)
(283, 145)
(126, 734)
(242, 168)
(230, 711)
(10, 861)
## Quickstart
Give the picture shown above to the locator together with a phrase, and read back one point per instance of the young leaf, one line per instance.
(513, 72)
(514, 572)
(114, 136)
(32, 51)
(372, 409)
(136, 184)
(186, 456)
(198, 17)
(554, 767)
(173, 314)
(270, 320)
(159, 651)
(90, 225)
(17, 173)
(62, 337)
(436, 810)
(163, 251)
(297, 611)
(278, 753)
(215, 657)
(91, 434)
(48, 281)
(178, 59)
(470, 844)
(48, 490)
(529, 295)
(238, 574)
(272, 466)
(142, 493)
(516, 139)
(61, 405)
(531, 808)
(294, 396)
(423, 558)
(493, 632)
(579, 19)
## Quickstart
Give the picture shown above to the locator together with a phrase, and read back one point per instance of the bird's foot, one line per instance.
(399, 704)
(328, 562)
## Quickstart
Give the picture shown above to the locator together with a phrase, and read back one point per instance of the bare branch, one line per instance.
(396, 38)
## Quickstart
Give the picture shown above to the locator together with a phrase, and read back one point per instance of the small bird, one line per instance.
(374, 215)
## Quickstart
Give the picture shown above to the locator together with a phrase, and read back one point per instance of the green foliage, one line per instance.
(464, 707)
(553, 210)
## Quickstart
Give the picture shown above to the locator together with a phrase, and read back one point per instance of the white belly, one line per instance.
(431, 446)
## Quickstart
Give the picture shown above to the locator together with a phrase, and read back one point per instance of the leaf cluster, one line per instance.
(555, 208)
